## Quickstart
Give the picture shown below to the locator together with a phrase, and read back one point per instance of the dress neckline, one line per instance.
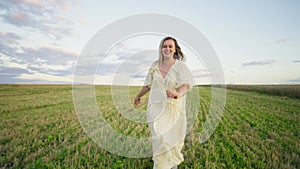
(167, 72)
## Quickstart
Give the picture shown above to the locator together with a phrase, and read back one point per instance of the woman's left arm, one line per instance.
(177, 93)
(181, 91)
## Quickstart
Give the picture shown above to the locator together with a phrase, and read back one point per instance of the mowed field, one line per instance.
(39, 129)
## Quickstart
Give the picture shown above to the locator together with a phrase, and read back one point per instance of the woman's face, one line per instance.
(168, 48)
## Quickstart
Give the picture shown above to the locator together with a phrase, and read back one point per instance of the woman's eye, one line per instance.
(165, 46)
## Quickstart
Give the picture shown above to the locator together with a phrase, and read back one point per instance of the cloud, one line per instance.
(122, 65)
(126, 61)
(45, 78)
(282, 40)
(39, 57)
(13, 36)
(81, 20)
(35, 3)
(8, 63)
(11, 79)
(294, 81)
(23, 63)
(140, 76)
(296, 61)
(200, 73)
(48, 54)
(9, 38)
(258, 63)
(36, 78)
(38, 16)
(13, 71)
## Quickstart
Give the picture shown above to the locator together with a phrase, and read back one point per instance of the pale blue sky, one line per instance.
(256, 41)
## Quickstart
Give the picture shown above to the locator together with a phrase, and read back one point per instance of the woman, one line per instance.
(168, 80)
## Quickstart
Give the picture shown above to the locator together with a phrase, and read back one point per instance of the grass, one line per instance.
(292, 91)
(39, 129)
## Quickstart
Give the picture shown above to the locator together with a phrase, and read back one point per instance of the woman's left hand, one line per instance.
(172, 93)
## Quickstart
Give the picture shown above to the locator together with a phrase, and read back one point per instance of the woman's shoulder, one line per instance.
(181, 66)
(180, 63)
(154, 64)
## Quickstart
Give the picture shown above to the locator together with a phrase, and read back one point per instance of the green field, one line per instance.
(39, 129)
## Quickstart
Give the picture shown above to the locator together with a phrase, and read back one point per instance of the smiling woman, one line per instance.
(168, 81)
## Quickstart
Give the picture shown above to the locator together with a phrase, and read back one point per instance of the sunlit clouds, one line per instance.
(41, 40)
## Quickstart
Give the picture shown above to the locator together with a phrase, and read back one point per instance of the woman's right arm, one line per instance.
(143, 91)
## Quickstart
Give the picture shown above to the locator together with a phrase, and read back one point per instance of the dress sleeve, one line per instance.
(185, 76)
(148, 80)
(149, 77)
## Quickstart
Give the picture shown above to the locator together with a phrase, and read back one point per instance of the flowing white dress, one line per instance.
(167, 116)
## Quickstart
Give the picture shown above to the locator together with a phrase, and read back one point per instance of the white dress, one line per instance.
(167, 116)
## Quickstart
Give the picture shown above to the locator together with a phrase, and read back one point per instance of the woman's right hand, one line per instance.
(137, 101)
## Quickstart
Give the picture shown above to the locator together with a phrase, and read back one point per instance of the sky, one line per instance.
(256, 42)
